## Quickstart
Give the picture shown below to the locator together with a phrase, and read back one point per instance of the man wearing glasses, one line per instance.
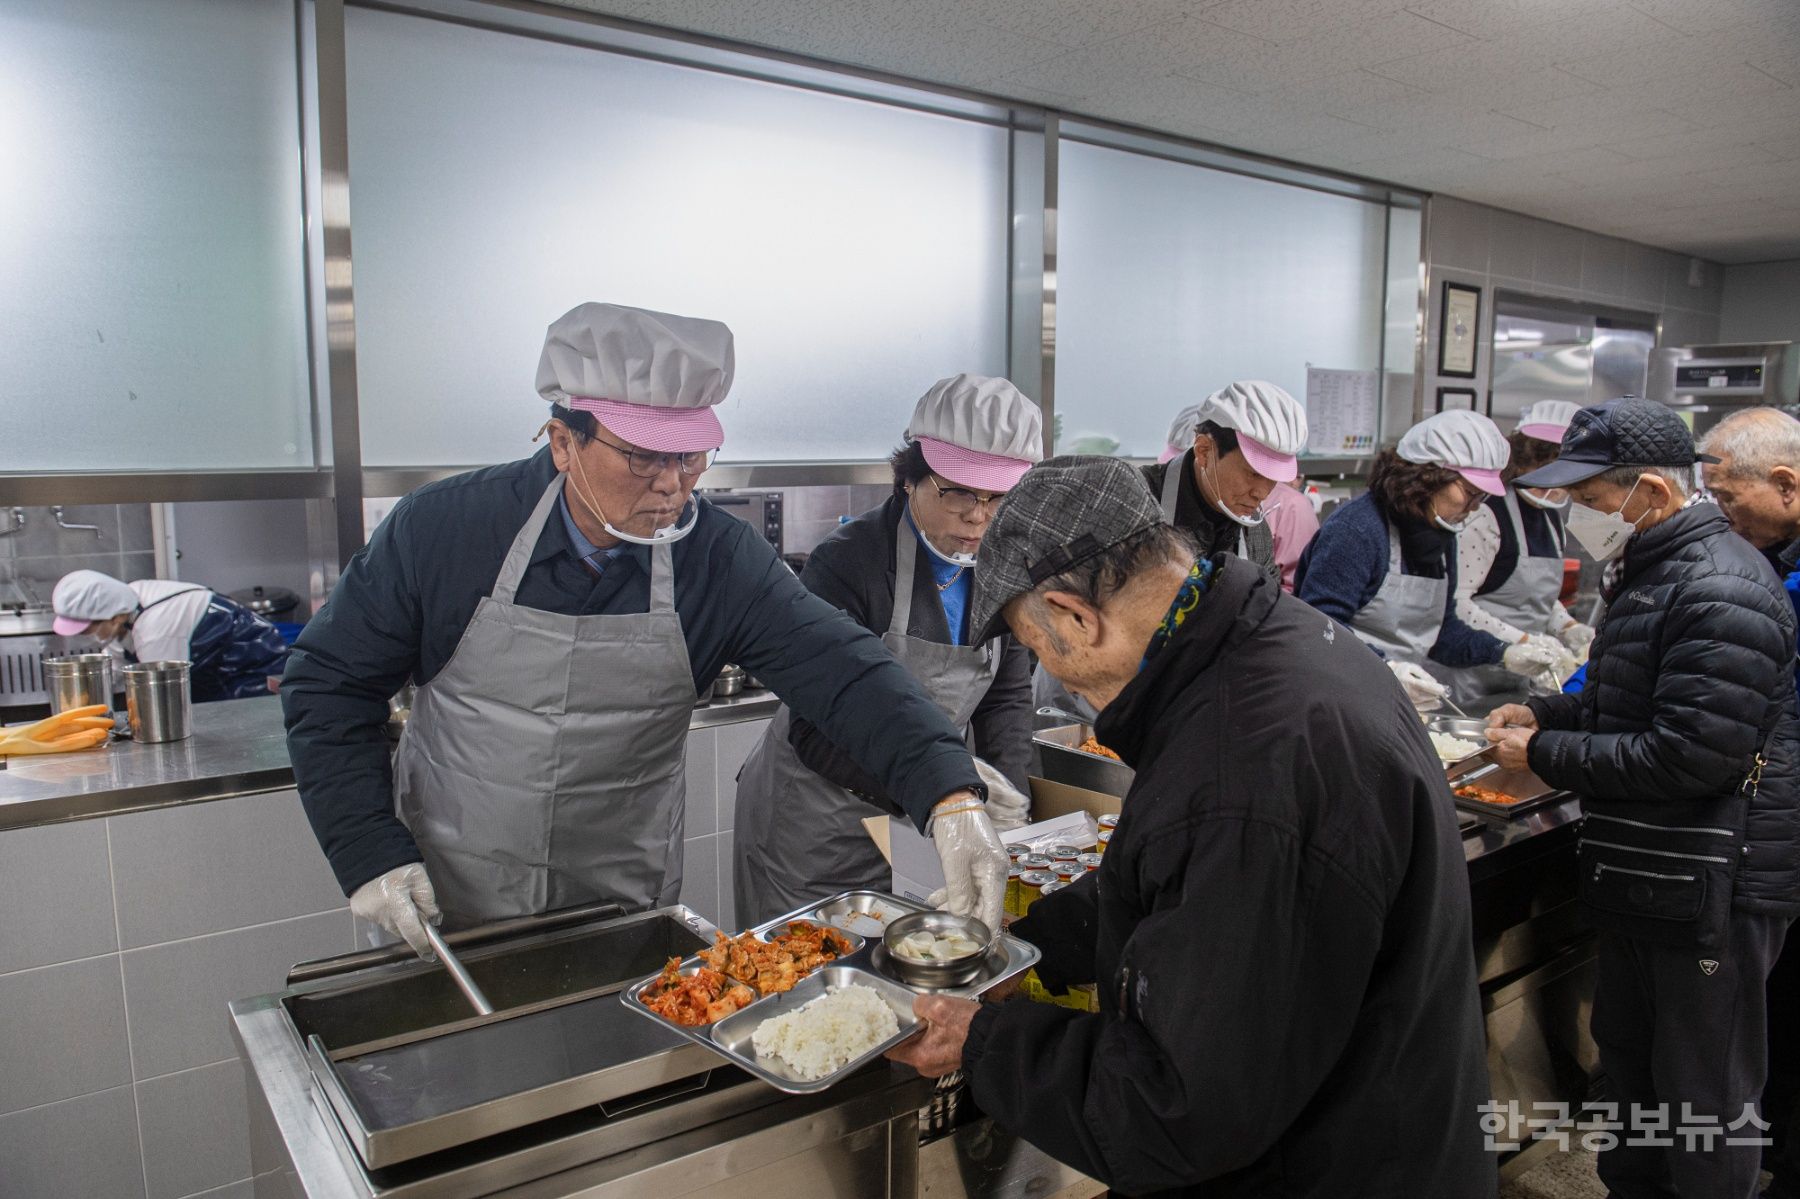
(559, 615)
(904, 571)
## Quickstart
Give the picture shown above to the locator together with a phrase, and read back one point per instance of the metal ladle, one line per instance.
(459, 974)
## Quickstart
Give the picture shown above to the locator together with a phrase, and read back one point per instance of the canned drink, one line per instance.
(1089, 861)
(1031, 885)
(1012, 889)
(1053, 887)
(1065, 853)
(1068, 872)
(1109, 821)
(1036, 861)
(1106, 835)
(1015, 852)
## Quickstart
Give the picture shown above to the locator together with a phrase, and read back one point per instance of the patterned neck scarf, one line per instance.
(1187, 602)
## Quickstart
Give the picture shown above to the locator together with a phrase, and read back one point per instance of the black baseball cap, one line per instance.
(1624, 432)
(1064, 512)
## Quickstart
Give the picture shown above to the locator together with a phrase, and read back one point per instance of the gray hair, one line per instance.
(1679, 478)
(1755, 442)
(1101, 577)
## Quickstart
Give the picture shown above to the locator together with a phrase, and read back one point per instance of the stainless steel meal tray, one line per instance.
(1060, 760)
(730, 1037)
(1468, 729)
(407, 1070)
(1532, 791)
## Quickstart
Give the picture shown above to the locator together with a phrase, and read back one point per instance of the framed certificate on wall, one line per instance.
(1459, 330)
(1452, 398)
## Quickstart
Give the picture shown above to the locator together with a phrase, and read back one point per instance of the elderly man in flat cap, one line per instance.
(1287, 998)
(1281, 946)
(559, 615)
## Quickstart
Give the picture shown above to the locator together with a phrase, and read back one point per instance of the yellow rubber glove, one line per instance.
(94, 716)
(78, 728)
(84, 739)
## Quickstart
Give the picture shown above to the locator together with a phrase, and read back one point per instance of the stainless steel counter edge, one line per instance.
(238, 747)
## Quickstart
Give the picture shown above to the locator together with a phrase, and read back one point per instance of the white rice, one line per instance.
(1452, 749)
(823, 1035)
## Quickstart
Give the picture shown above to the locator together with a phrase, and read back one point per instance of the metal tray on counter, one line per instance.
(408, 1069)
(860, 915)
(1061, 760)
(1531, 791)
(1466, 728)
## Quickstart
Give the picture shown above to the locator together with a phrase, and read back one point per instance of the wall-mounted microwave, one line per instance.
(759, 509)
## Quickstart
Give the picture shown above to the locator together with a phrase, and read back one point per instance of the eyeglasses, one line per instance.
(960, 501)
(1472, 496)
(647, 464)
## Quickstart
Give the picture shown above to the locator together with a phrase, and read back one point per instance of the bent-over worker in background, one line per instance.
(232, 653)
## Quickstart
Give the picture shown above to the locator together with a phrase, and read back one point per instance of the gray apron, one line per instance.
(1526, 601)
(544, 765)
(1403, 619)
(799, 836)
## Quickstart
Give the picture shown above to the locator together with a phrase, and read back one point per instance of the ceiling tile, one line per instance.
(1497, 18)
(1073, 23)
(1294, 20)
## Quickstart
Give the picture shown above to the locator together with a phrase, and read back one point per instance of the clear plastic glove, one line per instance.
(1008, 808)
(1535, 655)
(1425, 692)
(1578, 638)
(973, 857)
(400, 901)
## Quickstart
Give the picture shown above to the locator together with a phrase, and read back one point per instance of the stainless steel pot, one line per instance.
(157, 702)
(729, 682)
(270, 603)
(78, 681)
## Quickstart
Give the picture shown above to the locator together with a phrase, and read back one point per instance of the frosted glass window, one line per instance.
(1174, 280)
(858, 251)
(151, 281)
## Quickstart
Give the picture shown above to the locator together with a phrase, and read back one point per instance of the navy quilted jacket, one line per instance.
(1691, 678)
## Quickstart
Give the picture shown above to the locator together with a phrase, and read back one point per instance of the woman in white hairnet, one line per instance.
(1509, 564)
(1385, 563)
(903, 570)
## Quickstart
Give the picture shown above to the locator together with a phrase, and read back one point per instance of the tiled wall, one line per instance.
(714, 757)
(1491, 248)
(123, 939)
(32, 559)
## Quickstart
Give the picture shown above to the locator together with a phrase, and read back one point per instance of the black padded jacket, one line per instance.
(1690, 682)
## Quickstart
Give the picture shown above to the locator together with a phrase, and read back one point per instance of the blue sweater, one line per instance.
(1345, 565)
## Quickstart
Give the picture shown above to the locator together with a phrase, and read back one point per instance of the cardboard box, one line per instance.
(917, 871)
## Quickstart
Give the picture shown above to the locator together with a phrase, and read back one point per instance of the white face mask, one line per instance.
(1545, 502)
(667, 535)
(1451, 526)
(1602, 534)
(963, 560)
